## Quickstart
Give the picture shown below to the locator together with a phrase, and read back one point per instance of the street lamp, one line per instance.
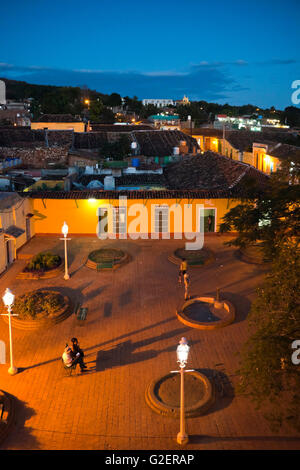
(8, 300)
(190, 119)
(65, 230)
(182, 357)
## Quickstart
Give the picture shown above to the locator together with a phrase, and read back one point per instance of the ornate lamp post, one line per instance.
(65, 230)
(182, 357)
(8, 300)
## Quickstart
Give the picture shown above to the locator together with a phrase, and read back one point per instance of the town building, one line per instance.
(210, 183)
(165, 121)
(158, 102)
(59, 122)
(2, 93)
(16, 226)
(263, 150)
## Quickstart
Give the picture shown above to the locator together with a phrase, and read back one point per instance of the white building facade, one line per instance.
(160, 103)
(2, 92)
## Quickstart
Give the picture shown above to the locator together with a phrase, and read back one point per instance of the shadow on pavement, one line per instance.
(20, 436)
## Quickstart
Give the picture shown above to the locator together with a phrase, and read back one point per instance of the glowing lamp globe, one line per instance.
(65, 229)
(182, 352)
(8, 298)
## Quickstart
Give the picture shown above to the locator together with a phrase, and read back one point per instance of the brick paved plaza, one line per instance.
(130, 338)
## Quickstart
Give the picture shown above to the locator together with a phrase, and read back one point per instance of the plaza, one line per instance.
(129, 338)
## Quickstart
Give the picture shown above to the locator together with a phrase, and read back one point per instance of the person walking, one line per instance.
(182, 270)
(186, 279)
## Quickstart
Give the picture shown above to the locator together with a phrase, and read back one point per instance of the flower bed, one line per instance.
(39, 309)
(42, 265)
(106, 258)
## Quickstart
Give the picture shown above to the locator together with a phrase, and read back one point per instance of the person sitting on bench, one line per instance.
(70, 360)
(77, 350)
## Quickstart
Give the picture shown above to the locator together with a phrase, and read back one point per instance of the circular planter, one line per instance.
(61, 315)
(177, 256)
(8, 414)
(109, 263)
(221, 313)
(41, 274)
(163, 395)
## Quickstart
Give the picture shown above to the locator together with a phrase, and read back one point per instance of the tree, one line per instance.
(149, 110)
(96, 110)
(116, 150)
(268, 216)
(291, 115)
(267, 373)
(113, 100)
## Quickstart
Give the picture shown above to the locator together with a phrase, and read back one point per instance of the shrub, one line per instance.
(38, 304)
(43, 262)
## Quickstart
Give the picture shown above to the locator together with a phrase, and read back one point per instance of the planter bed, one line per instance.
(163, 395)
(107, 259)
(34, 324)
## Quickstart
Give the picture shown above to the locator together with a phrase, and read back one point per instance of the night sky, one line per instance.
(231, 51)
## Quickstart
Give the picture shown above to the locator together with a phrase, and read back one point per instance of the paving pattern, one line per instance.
(130, 338)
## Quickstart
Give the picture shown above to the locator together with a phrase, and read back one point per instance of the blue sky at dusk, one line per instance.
(231, 51)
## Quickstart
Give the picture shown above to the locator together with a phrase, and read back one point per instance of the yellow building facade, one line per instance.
(135, 217)
(59, 126)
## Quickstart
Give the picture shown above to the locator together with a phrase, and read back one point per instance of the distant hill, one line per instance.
(17, 90)
(48, 99)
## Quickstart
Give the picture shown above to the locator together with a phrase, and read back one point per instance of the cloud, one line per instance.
(204, 63)
(196, 82)
(209, 81)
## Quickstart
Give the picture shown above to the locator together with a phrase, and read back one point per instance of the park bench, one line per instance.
(81, 313)
(105, 265)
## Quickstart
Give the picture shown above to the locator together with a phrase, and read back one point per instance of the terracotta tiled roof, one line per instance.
(119, 128)
(284, 151)
(137, 194)
(194, 177)
(210, 171)
(206, 131)
(151, 143)
(57, 118)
